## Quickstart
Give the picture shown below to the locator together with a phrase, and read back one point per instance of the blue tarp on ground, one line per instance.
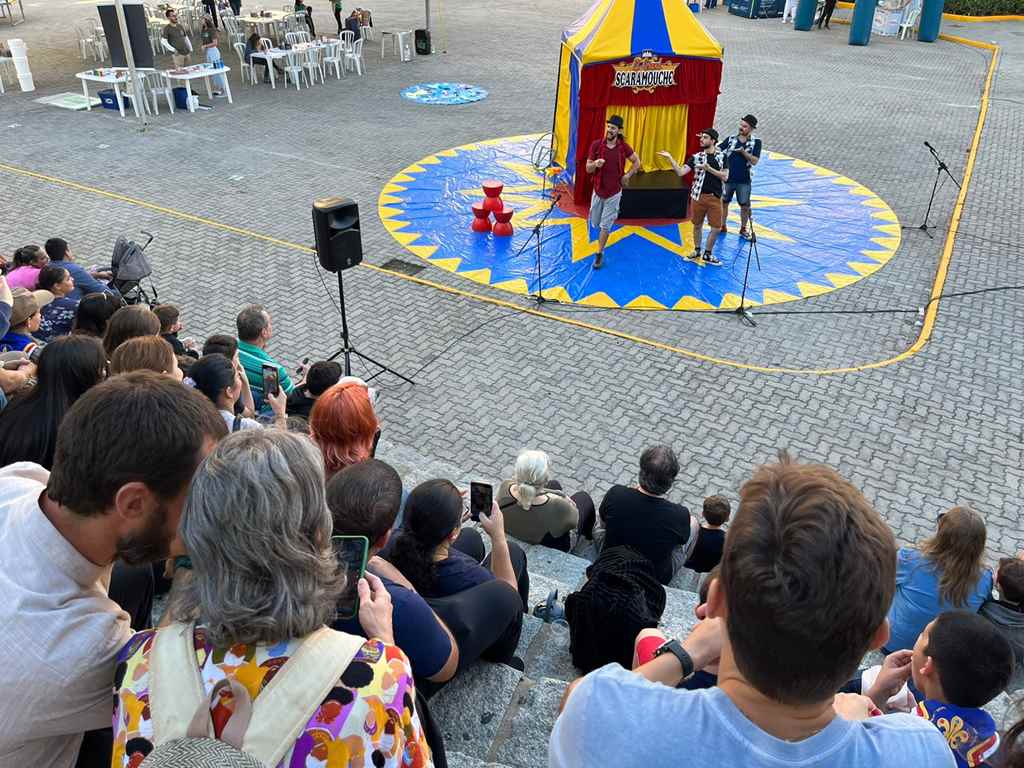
(817, 231)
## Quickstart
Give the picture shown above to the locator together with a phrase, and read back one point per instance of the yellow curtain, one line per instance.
(651, 129)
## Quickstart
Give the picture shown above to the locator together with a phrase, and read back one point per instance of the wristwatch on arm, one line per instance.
(676, 649)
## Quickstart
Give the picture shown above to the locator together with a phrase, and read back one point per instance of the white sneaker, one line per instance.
(219, 95)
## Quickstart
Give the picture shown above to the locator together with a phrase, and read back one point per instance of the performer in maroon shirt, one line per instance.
(606, 160)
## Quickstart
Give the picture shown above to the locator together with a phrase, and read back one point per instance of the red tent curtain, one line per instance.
(697, 82)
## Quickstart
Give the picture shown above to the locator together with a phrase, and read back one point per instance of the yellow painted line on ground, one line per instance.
(925, 334)
(972, 43)
(959, 17)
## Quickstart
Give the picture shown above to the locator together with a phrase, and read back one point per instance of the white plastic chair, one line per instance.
(244, 65)
(154, 85)
(231, 25)
(366, 33)
(297, 37)
(87, 40)
(907, 27)
(313, 66)
(333, 57)
(295, 69)
(355, 57)
(347, 37)
(7, 66)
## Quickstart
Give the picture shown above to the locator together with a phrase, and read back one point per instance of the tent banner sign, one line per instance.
(645, 73)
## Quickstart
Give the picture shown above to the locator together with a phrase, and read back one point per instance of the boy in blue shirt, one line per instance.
(960, 662)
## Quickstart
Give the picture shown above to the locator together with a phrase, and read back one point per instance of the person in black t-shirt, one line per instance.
(707, 550)
(321, 377)
(707, 167)
(642, 518)
(170, 325)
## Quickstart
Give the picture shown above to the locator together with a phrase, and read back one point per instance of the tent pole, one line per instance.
(137, 93)
(427, 8)
(554, 117)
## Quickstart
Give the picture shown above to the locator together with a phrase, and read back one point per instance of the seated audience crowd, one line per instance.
(121, 474)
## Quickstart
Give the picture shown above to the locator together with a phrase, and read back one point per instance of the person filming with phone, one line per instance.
(254, 333)
(435, 556)
(264, 583)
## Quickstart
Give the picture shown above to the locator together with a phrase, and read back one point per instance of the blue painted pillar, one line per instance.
(931, 21)
(863, 18)
(804, 17)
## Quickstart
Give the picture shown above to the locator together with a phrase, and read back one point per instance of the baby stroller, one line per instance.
(129, 266)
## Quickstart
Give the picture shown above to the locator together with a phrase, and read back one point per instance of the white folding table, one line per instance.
(115, 76)
(195, 72)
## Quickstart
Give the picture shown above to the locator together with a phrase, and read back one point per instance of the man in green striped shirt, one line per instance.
(254, 331)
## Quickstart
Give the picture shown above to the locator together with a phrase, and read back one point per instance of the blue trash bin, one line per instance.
(108, 100)
(181, 95)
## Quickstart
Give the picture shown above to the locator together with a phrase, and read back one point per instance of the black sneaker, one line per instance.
(599, 260)
(710, 259)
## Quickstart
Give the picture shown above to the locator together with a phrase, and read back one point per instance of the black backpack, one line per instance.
(622, 596)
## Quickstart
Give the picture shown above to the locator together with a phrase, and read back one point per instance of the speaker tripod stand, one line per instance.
(347, 350)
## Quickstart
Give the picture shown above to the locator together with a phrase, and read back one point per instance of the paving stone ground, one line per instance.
(940, 428)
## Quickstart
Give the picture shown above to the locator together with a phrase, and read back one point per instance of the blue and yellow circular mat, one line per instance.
(444, 93)
(817, 231)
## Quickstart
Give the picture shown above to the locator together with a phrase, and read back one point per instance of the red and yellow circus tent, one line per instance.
(649, 61)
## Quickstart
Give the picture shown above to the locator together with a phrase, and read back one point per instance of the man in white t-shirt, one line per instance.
(126, 453)
(807, 576)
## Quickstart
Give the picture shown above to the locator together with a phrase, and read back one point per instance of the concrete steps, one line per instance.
(493, 716)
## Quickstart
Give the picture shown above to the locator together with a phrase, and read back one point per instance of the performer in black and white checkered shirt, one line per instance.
(708, 171)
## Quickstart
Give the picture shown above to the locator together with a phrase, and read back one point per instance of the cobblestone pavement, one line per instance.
(943, 427)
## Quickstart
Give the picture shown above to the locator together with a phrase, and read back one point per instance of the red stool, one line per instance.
(481, 218)
(492, 190)
(502, 226)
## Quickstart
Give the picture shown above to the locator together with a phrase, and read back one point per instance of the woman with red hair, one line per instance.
(344, 424)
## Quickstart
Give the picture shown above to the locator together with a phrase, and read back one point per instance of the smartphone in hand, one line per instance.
(351, 552)
(480, 499)
(271, 382)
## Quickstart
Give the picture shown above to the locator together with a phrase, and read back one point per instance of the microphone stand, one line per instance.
(940, 168)
(538, 294)
(741, 311)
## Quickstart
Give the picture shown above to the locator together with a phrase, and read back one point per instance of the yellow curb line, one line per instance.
(952, 16)
(922, 339)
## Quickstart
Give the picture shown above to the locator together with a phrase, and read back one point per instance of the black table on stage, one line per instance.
(655, 195)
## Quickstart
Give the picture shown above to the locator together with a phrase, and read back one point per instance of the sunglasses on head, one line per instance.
(346, 382)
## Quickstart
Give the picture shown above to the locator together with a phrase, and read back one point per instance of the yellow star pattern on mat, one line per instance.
(532, 208)
(530, 204)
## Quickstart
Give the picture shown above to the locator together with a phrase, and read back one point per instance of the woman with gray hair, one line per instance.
(537, 511)
(252, 620)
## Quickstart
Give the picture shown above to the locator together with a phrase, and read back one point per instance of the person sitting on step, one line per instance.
(535, 509)
(641, 517)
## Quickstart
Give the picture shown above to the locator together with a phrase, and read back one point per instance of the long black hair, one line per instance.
(68, 366)
(212, 374)
(432, 511)
(94, 312)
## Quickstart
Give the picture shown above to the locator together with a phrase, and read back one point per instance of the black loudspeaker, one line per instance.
(339, 243)
(423, 47)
